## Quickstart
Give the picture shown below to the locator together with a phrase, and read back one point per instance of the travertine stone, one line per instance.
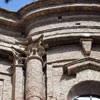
(1, 89)
(18, 83)
(34, 80)
(86, 44)
(63, 71)
(7, 88)
(35, 89)
(49, 82)
(18, 75)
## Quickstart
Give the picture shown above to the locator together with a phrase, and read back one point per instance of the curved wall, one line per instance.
(71, 30)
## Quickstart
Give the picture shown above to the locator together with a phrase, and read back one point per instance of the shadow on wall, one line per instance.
(84, 88)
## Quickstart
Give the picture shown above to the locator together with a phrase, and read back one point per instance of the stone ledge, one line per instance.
(82, 64)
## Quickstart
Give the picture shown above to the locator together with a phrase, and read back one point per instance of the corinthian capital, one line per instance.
(35, 46)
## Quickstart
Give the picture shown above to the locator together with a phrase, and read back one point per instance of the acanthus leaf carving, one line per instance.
(34, 46)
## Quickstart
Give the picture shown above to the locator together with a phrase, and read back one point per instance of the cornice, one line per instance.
(62, 8)
(50, 3)
(42, 7)
(82, 64)
(70, 38)
(27, 15)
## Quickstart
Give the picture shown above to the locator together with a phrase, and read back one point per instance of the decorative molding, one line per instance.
(82, 64)
(35, 46)
(19, 56)
(60, 61)
(17, 20)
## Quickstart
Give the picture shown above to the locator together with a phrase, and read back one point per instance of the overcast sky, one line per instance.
(14, 5)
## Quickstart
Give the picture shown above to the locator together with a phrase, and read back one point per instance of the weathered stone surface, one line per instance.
(18, 83)
(40, 53)
(86, 44)
(34, 80)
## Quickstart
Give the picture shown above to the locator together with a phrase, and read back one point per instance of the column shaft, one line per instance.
(34, 80)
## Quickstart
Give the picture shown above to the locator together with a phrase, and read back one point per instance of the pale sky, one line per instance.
(14, 5)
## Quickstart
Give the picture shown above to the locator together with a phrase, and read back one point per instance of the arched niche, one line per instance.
(84, 88)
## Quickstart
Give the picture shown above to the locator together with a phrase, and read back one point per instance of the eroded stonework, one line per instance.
(50, 50)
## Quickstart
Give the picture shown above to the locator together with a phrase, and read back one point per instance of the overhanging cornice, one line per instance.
(34, 10)
(63, 8)
(70, 38)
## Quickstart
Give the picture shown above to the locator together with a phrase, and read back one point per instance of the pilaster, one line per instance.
(18, 76)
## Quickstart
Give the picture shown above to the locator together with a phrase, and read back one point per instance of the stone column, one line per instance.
(34, 79)
(34, 72)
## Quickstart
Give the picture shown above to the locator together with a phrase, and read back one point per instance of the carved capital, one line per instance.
(18, 56)
(35, 46)
(34, 49)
